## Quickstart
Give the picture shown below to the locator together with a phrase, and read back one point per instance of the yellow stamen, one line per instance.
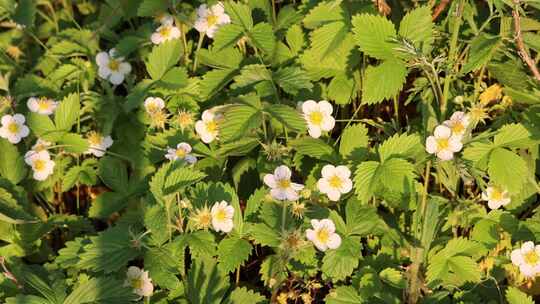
(496, 194)
(94, 139)
(114, 65)
(458, 128)
(136, 283)
(323, 235)
(531, 257)
(13, 127)
(335, 182)
(39, 165)
(180, 153)
(442, 143)
(211, 126)
(221, 215)
(212, 20)
(284, 183)
(165, 31)
(316, 117)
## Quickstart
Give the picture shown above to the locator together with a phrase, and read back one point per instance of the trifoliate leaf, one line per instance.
(374, 35)
(232, 253)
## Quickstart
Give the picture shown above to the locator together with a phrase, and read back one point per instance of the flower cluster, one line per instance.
(447, 138)
(219, 217)
(166, 31)
(209, 19)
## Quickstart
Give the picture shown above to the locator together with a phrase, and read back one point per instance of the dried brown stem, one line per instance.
(439, 9)
(522, 50)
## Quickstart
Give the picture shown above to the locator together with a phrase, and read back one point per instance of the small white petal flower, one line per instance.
(527, 258)
(335, 181)
(139, 280)
(318, 117)
(153, 105)
(207, 127)
(41, 164)
(111, 67)
(281, 186)
(222, 216)
(210, 19)
(98, 144)
(13, 128)
(44, 106)
(458, 123)
(182, 152)
(164, 33)
(443, 143)
(323, 234)
(496, 197)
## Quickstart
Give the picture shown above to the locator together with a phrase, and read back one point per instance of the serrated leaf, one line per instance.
(262, 36)
(342, 88)
(295, 38)
(361, 219)
(149, 8)
(516, 296)
(113, 172)
(403, 145)
(288, 116)
(252, 74)
(483, 48)
(163, 57)
(354, 141)
(233, 252)
(240, 14)
(104, 290)
(205, 283)
(11, 212)
(324, 12)
(227, 36)
(508, 170)
(374, 35)
(155, 220)
(25, 13)
(74, 143)
(324, 40)
(340, 263)
(417, 27)
(393, 277)
(292, 79)
(383, 81)
(313, 147)
(242, 295)
(264, 235)
(174, 79)
(67, 112)
(365, 180)
(239, 120)
(513, 136)
(12, 165)
(343, 295)
(215, 80)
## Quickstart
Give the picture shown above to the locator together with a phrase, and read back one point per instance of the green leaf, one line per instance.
(417, 27)
(393, 277)
(12, 165)
(215, 80)
(74, 143)
(513, 136)
(113, 172)
(265, 235)
(227, 36)
(342, 88)
(252, 74)
(205, 283)
(174, 79)
(288, 116)
(239, 120)
(163, 57)
(483, 48)
(43, 127)
(156, 221)
(292, 79)
(109, 251)
(104, 290)
(171, 178)
(262, 36)
(516, 296)
(137, 95)
(240, 14)
(374, 90)
(354, 141)
(374, 35)
(324, 40)
(508, 170)
(340, 263)
(232, 253)
(164, 264)
(313, 147)
(106, 204)
(324, 12)
(25, 13)
(343, 295)
(361, 219)
(150, 8)
(67, 112)
(242, 295)
(11, 212)
(402, 145)
(295, 38)
(365, 180)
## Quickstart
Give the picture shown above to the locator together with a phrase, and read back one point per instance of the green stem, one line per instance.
(283, 217)
(199, 44)
(451, 56)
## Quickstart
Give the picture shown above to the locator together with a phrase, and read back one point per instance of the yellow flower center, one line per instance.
(442, 143)
(531, 257)
(316, 117)
(203, 218)
(165, 31)
(212, 20)
(211, 126)
(185, 119)
(180, 153)
(458, 128)
(39, 165)
(43, 104)
(284, 183)
(94, 139)
(335, 182)
(13, 127)
(136, 283)
(114, 65)
(323, 235)
(496, 194)
(221, 215)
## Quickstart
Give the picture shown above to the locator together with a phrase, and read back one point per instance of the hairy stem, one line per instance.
(522, 50)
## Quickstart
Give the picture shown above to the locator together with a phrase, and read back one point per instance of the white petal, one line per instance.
(316, 224)
(282, 172)
(527, 246)
(527, 270)
(297, 187)
(333, 195)
(454, 144)
(328, 224)
(346, 186)
(156, 38)
(211, 31)
(309, 106)
(270, 181)
(431, 145)
(445, 154)
(116, 78)
(104, 72)
(442, 132)
(328, 123)
(278, 194)
(19, 118)
(184, 146)
(334, 241)
(102, 59)
(190, 159)
(325, 107)
(7, 119)
(314, 131)
(201, 25)
(207, 116)
(328, 171)
(517, 258)
(323, 186)
(291, 194)
(492, 204)
(310, 234)
(124, 68)
(32, 104)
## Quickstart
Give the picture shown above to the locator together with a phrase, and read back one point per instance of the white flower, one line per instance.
(443, 143)
(41, 164)
(41, 145)
(222, 216)
(138, 279)
(153, 104)
(527, 258)
(318, 117)
(207, 128)
(44, 106)
(111, 67)
(164, 33)
(181, 152)
(496, 197)
(335, 181)
(98, 144)
(282, 187)
(323, 235)
(210, 19)
(166, 19)
(13, 128)
(458, 123)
